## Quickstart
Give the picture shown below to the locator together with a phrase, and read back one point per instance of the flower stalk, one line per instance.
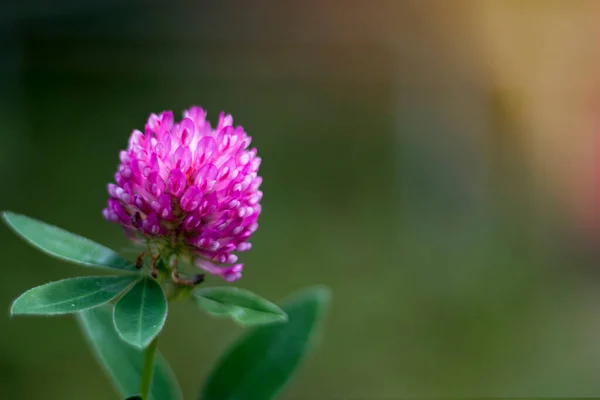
(148, 369)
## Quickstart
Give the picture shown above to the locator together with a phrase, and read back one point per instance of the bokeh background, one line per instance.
(436, 163)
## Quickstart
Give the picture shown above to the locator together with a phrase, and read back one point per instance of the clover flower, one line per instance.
(189, 188)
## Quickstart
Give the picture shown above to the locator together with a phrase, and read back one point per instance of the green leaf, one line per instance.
(259, 364)
(65, 245)
(140, 315)
(122, 362)
(243, 306)
(71, 295)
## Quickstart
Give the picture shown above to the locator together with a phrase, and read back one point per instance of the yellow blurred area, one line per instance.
(543, 59)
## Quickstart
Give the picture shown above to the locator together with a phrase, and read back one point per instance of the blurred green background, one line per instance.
(407, 164)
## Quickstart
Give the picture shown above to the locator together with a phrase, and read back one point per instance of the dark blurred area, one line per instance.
(431, 161)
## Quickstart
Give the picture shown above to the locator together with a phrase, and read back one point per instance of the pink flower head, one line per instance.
(192, 186)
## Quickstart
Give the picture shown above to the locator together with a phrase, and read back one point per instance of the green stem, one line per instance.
(147, 369)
